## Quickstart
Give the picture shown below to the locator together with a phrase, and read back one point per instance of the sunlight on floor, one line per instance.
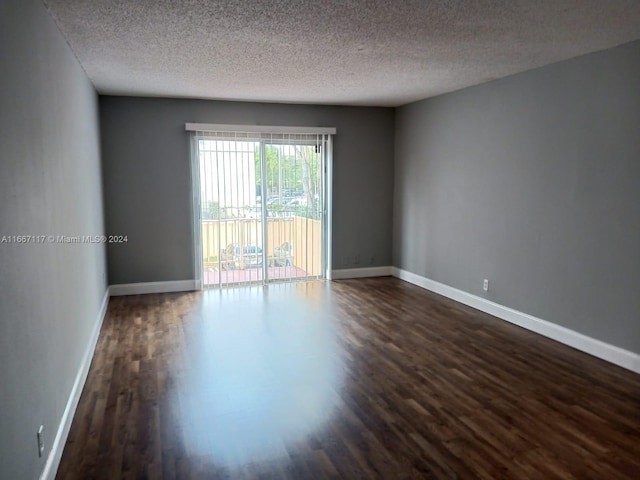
(257, 379)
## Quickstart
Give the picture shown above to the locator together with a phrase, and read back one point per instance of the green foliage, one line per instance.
(291, 171)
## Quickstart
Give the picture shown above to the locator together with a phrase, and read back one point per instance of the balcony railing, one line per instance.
(236, 244)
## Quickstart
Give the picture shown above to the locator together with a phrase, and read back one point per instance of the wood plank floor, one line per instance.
(370, 378)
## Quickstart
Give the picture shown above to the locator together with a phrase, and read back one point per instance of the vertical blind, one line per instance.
(262, 202)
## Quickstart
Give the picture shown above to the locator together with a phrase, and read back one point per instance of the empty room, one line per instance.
(338, 239)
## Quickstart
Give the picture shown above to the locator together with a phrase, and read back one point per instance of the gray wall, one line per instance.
(50, 295)
(147, 179)
(533, 182)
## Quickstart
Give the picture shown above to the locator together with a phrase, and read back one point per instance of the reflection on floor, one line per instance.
(353, 379)
(213, 276)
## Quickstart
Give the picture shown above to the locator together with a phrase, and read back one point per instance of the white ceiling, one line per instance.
(352, 52)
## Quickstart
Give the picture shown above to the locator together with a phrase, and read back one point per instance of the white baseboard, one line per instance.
(597, 348)
(361, 272)
(153, 287)
(53, 460)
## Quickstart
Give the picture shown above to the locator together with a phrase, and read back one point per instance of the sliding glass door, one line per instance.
(294, 208)
(230, 212)
(262, 207)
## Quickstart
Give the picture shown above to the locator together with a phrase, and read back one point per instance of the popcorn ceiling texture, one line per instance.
(384, 53)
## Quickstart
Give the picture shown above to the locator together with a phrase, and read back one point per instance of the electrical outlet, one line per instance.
(40, 441)
(485, 285)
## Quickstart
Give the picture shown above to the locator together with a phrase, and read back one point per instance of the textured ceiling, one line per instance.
(356, 52)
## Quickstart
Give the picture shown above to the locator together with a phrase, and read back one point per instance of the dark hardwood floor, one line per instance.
(371, 378)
